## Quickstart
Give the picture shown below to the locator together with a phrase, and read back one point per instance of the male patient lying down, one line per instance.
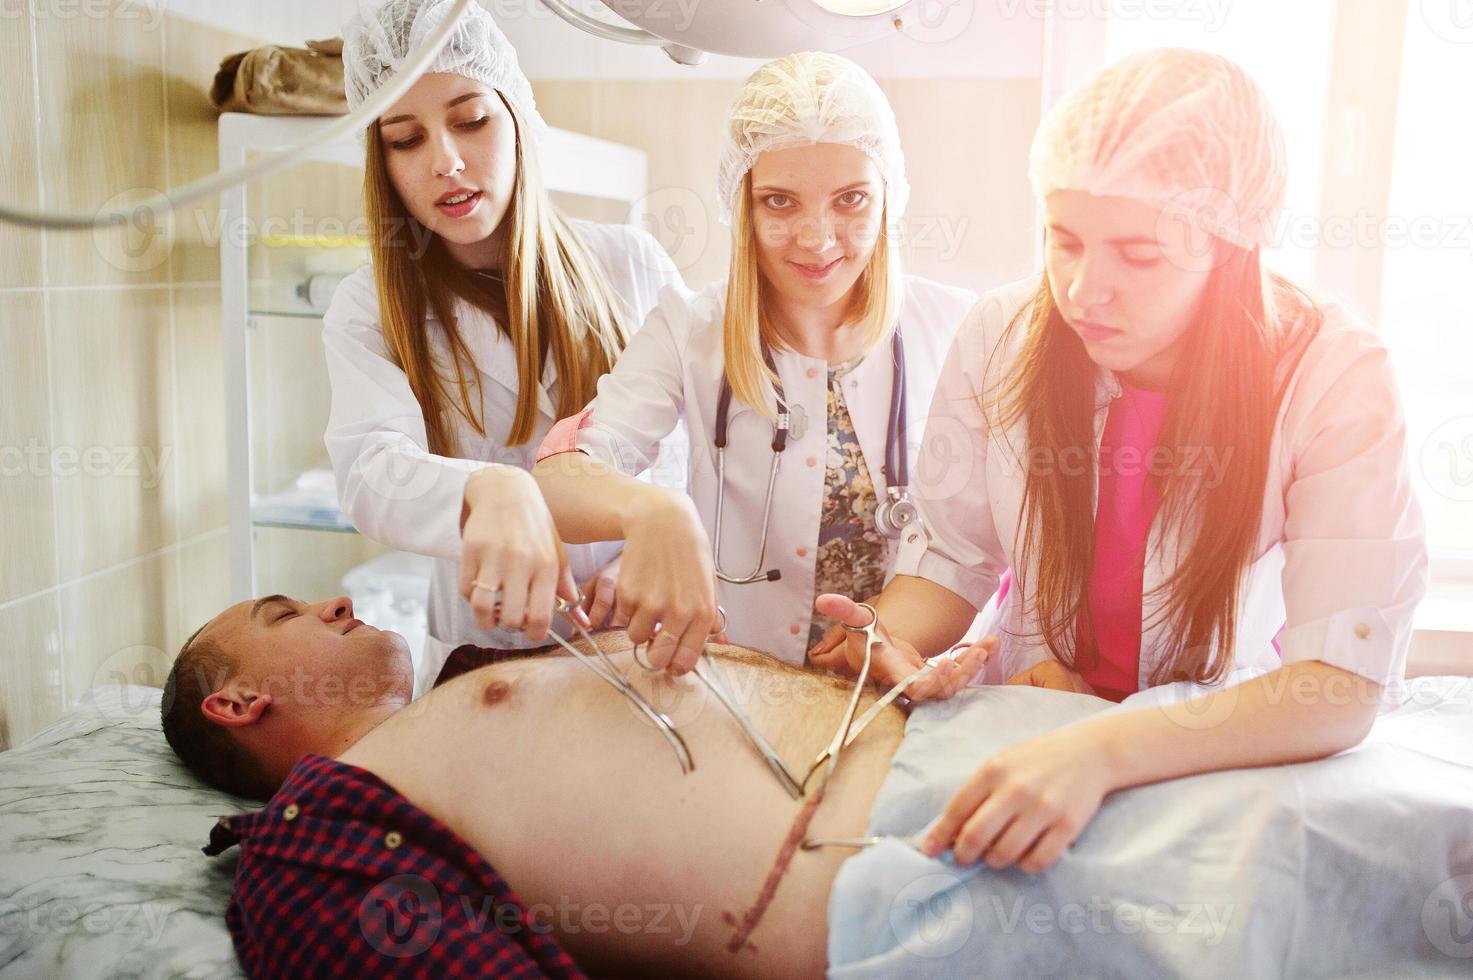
(566, 790)
(378, 851)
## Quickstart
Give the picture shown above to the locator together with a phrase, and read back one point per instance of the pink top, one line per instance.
(1128, 499)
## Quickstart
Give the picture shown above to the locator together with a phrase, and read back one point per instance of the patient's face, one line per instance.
(313, 654)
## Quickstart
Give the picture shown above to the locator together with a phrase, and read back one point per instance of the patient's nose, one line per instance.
(336, 608)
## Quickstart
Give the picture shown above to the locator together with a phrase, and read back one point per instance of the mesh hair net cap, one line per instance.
(381, 37)
(811, 97)
(1182, 130)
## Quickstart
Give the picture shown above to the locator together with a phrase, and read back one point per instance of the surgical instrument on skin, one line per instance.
(841, 736)
(706, 669)
(863, 721)
(616, 677)
(612, 676)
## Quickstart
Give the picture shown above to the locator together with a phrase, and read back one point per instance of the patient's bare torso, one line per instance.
(579, 803)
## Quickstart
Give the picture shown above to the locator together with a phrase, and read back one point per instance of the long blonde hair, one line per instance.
(747, 324)
(1225, 393)
(555, 302)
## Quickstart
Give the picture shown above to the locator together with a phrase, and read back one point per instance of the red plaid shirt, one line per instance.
(341, 876)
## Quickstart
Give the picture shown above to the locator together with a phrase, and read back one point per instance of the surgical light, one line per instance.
(687, 29)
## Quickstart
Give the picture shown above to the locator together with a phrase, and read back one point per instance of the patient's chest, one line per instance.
(579, 801)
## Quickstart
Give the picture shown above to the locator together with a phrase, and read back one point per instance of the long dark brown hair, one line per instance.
(1224, 393)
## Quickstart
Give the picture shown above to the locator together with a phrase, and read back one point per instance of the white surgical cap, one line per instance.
(811, 97)
(1182, 130)
(378, 41)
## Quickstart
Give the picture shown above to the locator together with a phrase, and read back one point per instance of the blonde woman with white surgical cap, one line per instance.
(815, 316)
(1197, 473)
(484, 317)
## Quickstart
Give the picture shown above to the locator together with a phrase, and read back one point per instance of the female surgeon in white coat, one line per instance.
(812, 182)
(1197, 472)
(484, 316)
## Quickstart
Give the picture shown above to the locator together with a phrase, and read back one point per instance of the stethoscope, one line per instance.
(893, 514)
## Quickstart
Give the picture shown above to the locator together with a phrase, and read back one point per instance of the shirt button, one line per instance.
(393, 839)
(813, 372)
(793, 629)
(1363, 631)
(811, 461)
(802, 552)
(291, 811)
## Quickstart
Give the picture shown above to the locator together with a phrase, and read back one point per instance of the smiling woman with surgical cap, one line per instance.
(1197, 472)
(799, 363)
(484, 317)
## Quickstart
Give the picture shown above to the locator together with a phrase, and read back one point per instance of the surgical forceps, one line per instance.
(710, 675)
(870, 715)
(841, 737)
(613, 676)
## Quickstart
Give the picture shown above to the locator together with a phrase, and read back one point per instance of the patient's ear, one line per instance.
(233, 709)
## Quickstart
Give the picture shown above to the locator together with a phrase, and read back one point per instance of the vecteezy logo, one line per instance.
(140, 243)
(679, 221)
(932, 916)
(401, 916)
(1447, 459)
(937, 21)
(1447, 917)
(1451, 20)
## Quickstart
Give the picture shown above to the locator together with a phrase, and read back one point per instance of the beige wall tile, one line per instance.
(118, 626)
(566, 103)
(31, 676)
(26, 524)
(102, 140)
(970, 221)
(20, 248)
(308, 565)
(290, 399)
(192, 53)
(680, 125)
(199, 370)
(204, 585)
(111, 373)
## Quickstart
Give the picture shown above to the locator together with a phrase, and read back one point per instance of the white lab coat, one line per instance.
(398, 493)
(1342, 555)
(673, 370)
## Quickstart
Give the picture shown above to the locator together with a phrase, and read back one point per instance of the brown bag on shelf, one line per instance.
(275, 81)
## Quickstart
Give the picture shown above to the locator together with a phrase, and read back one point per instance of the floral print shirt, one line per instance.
(851, 552)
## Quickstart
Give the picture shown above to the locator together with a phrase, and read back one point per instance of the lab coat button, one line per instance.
(813, 372)
(802, 552)
(291, 811)
(1363, 631)
(793, 629)
(811, 461)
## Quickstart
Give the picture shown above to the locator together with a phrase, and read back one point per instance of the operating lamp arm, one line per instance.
(159, 204)
(627, 35)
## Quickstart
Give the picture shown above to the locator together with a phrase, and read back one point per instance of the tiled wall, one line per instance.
(111, 344)
(112, 464)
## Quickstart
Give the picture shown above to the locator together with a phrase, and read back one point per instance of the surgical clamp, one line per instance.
(615, 678)
(707, 670)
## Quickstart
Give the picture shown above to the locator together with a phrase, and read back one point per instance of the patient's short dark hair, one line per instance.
(207, 749)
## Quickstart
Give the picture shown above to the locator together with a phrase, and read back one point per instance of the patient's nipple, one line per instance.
(495, 692)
